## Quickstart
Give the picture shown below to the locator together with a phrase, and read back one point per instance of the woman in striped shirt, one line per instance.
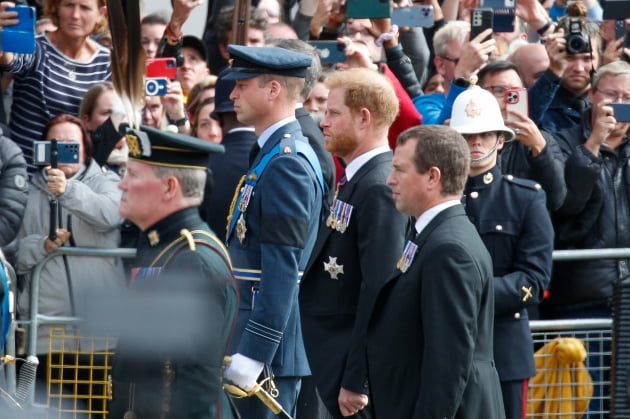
(66, 62)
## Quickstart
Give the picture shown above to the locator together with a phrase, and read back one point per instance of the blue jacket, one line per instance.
(281, 219)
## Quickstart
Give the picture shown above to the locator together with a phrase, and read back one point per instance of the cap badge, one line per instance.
(473, 109)
(135, 147)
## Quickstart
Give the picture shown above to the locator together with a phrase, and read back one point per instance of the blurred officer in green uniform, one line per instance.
(182, 298)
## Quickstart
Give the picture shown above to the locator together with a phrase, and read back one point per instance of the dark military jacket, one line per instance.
(511, 217)
(270, 249)
(169, 365)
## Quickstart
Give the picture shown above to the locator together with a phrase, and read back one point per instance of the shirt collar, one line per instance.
(269, 131)
(353, 167)
(426, 217)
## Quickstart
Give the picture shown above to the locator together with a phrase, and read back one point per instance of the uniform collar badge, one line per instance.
(154, 237)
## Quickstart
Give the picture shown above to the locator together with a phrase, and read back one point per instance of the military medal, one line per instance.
(241, 228)
(333, 268)
(344, 219)
(246, 195)
(407, 257)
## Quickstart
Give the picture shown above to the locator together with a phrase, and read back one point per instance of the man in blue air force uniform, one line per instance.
(273, 225)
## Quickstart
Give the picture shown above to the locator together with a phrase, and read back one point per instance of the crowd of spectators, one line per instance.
(569, 142)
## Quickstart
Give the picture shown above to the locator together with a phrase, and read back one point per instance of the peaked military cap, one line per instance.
(222, 90)
(248, 62)
(163, 148)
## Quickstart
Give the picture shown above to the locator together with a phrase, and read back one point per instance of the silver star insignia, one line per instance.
(332, 268)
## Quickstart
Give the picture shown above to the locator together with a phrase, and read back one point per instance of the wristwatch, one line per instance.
(178, 122)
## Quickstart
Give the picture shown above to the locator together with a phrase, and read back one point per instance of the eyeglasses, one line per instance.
(614, 96)
(453, 60)
(499, 90)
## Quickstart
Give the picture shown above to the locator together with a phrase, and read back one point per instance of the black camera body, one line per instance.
(577, 41)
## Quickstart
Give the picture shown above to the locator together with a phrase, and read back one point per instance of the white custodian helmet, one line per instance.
(476, 110)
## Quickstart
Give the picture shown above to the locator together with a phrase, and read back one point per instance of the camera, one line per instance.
(67, 152)
(577, 41)
(155, 87)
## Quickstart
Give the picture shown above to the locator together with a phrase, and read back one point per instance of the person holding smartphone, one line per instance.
(39, 93)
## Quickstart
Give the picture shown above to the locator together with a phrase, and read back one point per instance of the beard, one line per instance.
(342, 144)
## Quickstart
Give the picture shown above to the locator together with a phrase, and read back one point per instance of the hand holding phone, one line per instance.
(19, 38)
(481, 19)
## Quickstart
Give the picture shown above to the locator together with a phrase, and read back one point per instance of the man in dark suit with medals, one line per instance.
(429, 344)
(272, 227)
(511, 217)
(183, 298)
(357, 248)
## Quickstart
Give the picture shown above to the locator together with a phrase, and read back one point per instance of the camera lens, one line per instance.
(575, 45)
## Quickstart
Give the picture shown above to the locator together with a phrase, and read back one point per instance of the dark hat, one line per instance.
(248, 62)
(195, 43)
(163, 148)
(222, 90)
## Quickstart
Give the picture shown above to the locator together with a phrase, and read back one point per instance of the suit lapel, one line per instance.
(345, 194)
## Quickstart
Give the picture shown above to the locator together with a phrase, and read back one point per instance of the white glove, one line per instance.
(243, 371)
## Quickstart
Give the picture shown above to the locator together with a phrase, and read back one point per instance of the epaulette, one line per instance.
(527, 183)
(287, 144)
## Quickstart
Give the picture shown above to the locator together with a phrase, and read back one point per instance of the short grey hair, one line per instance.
(615, 69)
(315, 69)
(192, 181)
(455, 30)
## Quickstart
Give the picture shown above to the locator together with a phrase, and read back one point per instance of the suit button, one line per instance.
(517, 315)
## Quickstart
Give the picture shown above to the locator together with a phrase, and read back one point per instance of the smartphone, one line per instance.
(504, 16)
(367, 9)
(516, 100)
(155, 86)
(20, 38)
(67, 152)
(421, 16)
(161, 68)
(330, 51)
(480, 20)
(621, 111)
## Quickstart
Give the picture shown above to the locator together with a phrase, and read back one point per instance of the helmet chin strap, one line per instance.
(486, 156)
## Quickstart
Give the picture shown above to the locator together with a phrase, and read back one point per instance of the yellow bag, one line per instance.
(562, 387)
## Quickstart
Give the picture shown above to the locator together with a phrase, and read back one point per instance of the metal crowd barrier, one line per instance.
(596, 333)
(36, 320)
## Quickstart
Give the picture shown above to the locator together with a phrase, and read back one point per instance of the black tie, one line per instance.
(253, 153)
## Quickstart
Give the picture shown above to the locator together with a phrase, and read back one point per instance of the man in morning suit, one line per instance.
(178, 314)
(357, 248)
(273, 226)
(429, 345)
(511, 217)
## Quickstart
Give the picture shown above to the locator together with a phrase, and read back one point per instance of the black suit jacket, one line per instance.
(335, 311)
(227, 169)
(430, 338)
(316, 140)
